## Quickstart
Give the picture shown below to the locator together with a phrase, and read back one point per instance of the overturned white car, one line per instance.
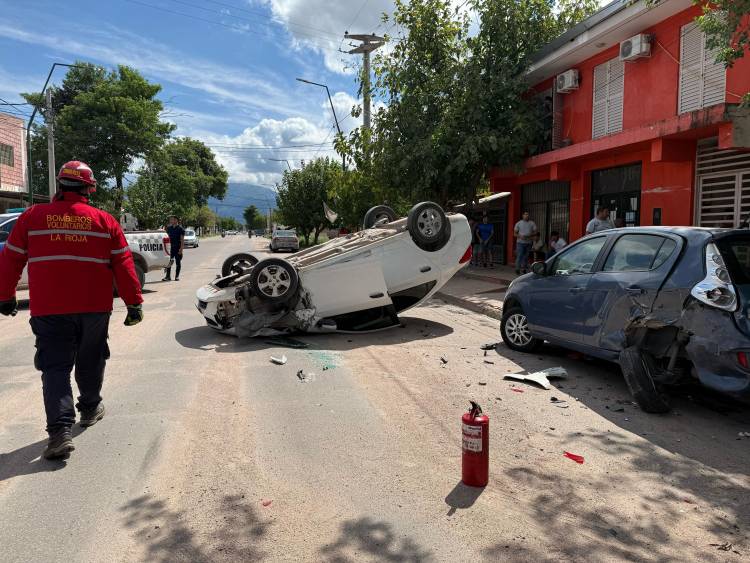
(357, 282)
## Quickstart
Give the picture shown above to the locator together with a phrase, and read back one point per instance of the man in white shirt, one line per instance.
(524, 230)
(556, 243)
(601, 222)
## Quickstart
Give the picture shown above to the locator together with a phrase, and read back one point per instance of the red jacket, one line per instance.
(74, 252)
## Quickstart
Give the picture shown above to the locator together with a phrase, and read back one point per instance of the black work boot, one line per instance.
(60, 444)
(90, 417)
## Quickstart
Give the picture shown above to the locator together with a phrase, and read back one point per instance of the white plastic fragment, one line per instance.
(539, 377)
(278, 361)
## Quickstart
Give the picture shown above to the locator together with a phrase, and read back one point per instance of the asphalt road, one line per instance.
(209, 452)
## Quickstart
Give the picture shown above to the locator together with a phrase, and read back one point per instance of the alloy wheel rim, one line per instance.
(274, 281)
(517, 329)
(429, 223)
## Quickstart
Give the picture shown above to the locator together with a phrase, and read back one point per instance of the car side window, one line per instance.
(8, 227)
(639, 253)
(579, 259)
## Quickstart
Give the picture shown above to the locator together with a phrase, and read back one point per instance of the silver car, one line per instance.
(284, 240)
(191, 239)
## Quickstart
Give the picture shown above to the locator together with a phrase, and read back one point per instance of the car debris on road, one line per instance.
(539, 377)
(278, 361)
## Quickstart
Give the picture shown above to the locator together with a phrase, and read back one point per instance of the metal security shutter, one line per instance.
(702, 79)
(609, 86)
(723, 186)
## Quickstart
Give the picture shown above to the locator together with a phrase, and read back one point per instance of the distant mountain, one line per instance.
(239, 196)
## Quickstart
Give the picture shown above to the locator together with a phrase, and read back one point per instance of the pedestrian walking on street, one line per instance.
(601, 222)
(485, 232)
(524, 231)
(556, 243)
(176, 244)
(74, 253)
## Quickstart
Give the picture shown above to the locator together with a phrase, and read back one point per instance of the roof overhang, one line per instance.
(609, 26)
(485, 200)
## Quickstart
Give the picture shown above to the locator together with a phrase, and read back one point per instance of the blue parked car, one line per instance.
(669, 304)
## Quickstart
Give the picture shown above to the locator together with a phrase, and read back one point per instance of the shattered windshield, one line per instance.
(736, 253)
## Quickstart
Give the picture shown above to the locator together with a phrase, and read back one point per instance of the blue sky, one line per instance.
(229, 83)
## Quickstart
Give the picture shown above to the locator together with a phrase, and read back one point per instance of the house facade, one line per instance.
(12, 162)
(640, 118)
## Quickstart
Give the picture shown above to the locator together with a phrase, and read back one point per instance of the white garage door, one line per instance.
(723, 186)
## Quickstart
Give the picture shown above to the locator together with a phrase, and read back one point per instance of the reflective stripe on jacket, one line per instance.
(75, 252)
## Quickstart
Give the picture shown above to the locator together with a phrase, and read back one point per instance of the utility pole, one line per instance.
(369, 44)
(50, 143)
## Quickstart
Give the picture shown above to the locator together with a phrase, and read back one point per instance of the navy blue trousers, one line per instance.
(65, 343)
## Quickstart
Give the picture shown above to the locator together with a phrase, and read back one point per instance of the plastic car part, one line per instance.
(428, 226)
(637, 368)
(274, 280)
(379, 214)
(514, 329)
(716, 288)
(238, 263)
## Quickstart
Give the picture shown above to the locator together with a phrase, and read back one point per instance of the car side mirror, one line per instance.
(539, 268)
(3, 236)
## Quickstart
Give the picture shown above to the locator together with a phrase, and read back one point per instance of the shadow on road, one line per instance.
(462, 497)
(373, 538)
(205, 338)
(167, 535)
(28, 459)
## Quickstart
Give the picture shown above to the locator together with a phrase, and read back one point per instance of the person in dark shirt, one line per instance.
(484, 231)
(176, 243)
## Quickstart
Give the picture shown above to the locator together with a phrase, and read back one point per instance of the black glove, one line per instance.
(9, 308)
(135, 315)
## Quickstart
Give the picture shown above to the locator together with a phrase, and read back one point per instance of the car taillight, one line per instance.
(716, 288)
(466, 257)
(165, 242)
(742, 360)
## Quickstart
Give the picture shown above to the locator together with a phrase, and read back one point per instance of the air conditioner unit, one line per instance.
(636, 47)
(567, 81)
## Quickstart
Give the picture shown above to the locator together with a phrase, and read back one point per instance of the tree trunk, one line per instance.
(118, 197)
(318, 230)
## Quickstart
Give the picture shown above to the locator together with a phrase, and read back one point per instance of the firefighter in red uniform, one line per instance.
(74, 251)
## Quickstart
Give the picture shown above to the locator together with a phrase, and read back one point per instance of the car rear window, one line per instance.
(633, 253)
(736, 253)
(286, 234)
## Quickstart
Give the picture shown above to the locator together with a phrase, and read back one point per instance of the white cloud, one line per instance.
(321, 24)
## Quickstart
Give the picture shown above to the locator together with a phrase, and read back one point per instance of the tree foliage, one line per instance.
(148, 203)
(254, 218)
(301, 195)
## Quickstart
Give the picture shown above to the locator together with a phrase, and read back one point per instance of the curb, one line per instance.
(485, 310)
(481, 277)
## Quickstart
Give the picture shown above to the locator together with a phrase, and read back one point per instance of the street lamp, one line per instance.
(51, 165)
(330, 101)
(281, 160)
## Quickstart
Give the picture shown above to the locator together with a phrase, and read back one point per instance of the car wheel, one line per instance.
(428, 226)
(274, 280)
(637, 368)
(514, 329)
(141, 275)
(377, 214)
(237, 263)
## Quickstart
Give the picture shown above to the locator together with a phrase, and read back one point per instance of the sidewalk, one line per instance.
(481, 290)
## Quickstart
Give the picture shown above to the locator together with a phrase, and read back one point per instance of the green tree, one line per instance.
(111, 124)
(228, 223)
(200, 217)
(148, 203)
(187, 173)
(250, 214)
(301, 194)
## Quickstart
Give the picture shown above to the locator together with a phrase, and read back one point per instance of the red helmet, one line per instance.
(74, 173)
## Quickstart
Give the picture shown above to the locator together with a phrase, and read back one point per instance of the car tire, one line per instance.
(232, 263)
(637, 367)
(514, 330)
(141, 275)
(428, 226)
(274, 280)
(376, 214)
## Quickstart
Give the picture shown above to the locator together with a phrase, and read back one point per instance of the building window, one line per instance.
(6, 154)
(702, 79)
(618, 189)
(609, 85)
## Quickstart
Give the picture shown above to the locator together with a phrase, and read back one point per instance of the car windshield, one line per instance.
(286, 234)
(189, 233)
(736, 253)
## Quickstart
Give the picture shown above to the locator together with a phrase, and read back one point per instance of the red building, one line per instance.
(640, 118)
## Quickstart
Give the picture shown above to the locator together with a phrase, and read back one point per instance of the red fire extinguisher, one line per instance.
(475, 458)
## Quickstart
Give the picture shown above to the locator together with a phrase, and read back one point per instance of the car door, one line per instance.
(558, 302)
(627, 284)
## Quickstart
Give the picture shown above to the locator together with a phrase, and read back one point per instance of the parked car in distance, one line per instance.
(191, 239)
(284, 240)
(669, 304)
(356, 282)
(231, 232)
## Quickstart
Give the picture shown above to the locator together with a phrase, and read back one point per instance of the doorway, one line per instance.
(619, 189)
(548, 204)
